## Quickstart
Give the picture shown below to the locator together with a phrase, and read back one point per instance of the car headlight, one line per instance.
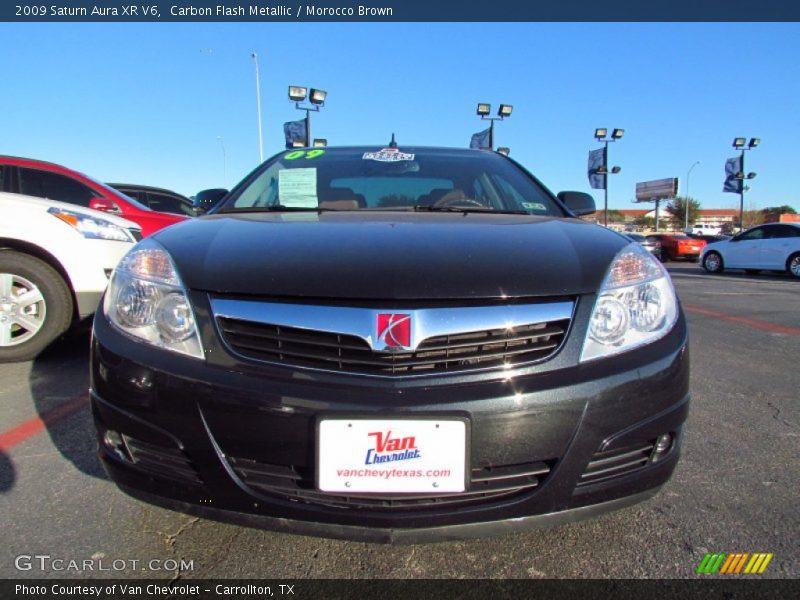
(636, 305)
(146, 300)
(92, 228)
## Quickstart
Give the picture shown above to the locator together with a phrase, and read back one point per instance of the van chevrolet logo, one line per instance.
(394, 330)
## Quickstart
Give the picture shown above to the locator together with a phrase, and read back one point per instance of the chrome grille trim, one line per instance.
(361, 322)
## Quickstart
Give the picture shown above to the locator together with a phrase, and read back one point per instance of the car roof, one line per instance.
(444, 150)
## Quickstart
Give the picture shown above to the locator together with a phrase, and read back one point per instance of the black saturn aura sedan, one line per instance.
(393, 345)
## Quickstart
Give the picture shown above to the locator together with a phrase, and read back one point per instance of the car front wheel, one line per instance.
(35, 306)
(793, 265)
(712, 262)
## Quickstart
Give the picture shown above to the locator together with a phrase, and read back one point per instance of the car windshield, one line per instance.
(391, 179)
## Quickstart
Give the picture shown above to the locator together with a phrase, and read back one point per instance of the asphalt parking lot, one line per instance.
(735, 489)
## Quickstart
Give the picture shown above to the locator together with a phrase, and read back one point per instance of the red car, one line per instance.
(676, 246)
(48, 180)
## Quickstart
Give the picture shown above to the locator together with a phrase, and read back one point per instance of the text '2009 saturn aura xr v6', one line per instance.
(390, 344)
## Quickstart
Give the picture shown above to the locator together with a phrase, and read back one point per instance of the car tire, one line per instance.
(793, 265)
(712, 263)
(27, 329)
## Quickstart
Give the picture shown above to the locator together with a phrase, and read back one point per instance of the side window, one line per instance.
(44, 184)
(164, 203)
(784, 231)
(136, 195)
(753, 234)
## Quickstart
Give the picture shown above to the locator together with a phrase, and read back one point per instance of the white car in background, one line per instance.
(770, 247)
(55, 261)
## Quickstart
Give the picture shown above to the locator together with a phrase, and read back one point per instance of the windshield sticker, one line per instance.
(298, 188)
(534, 206)
(308, 155)
(388, 155)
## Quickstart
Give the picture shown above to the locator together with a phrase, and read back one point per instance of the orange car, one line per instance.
(675, 246)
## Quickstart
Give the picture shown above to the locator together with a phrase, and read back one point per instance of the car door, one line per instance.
(782, 241)
(744, 251)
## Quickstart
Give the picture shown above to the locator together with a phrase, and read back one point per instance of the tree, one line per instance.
(677, 210)
(773, 213)
(646, 223)
(615, 216)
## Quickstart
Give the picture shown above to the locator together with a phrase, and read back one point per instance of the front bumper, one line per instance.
(209, 417)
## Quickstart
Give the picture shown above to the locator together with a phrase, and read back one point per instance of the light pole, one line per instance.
(686, 200)
(224, 162)
(739, 144)
(297, 94)
(601, 135)
(254, 56)
(483, 111)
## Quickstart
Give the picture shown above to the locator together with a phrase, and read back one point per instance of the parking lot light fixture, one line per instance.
(484, 109)
(504, 151)
(601, 135)
(320, 143)
(254, 56)
(686, 200)
(297, 93)
(316, 98)
(298, 144)
(740, 143)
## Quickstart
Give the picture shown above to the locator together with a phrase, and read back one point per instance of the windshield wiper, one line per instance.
(468, 209)
(273, 208)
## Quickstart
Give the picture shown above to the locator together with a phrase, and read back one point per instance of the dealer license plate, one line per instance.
(392, 455)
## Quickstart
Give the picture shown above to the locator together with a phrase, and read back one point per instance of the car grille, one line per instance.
(297, 484)
(616, 463)
(170, 463)
(466, 351)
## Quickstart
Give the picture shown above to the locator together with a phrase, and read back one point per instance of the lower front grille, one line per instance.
(170, 463)
(297, 484)
(616, 463)
(348, 353)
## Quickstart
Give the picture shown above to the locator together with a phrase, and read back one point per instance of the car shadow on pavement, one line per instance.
(59, 384)
(7, 473)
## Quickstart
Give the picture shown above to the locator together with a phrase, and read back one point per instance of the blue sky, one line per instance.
(145, 103)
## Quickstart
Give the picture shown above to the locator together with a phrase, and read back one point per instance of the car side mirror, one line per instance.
(205, 200)
(103, 205)
(578, 203)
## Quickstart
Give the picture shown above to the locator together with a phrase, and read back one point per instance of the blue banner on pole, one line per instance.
(295, 131)
(480, 140)
(733, 166)
(597, 159)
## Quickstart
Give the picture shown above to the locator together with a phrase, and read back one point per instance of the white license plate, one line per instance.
(392, 455)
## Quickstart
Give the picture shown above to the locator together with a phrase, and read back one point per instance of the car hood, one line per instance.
(44, 204)
(391, 256)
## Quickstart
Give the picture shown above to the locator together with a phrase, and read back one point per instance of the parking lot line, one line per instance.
(19, 433)
(755, 323)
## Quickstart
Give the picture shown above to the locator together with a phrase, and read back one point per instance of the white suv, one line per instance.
(55, 261)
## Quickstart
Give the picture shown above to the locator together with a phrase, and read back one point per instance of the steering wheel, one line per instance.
(458, 201)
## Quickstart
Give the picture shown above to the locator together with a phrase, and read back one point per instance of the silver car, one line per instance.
(648, 242)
